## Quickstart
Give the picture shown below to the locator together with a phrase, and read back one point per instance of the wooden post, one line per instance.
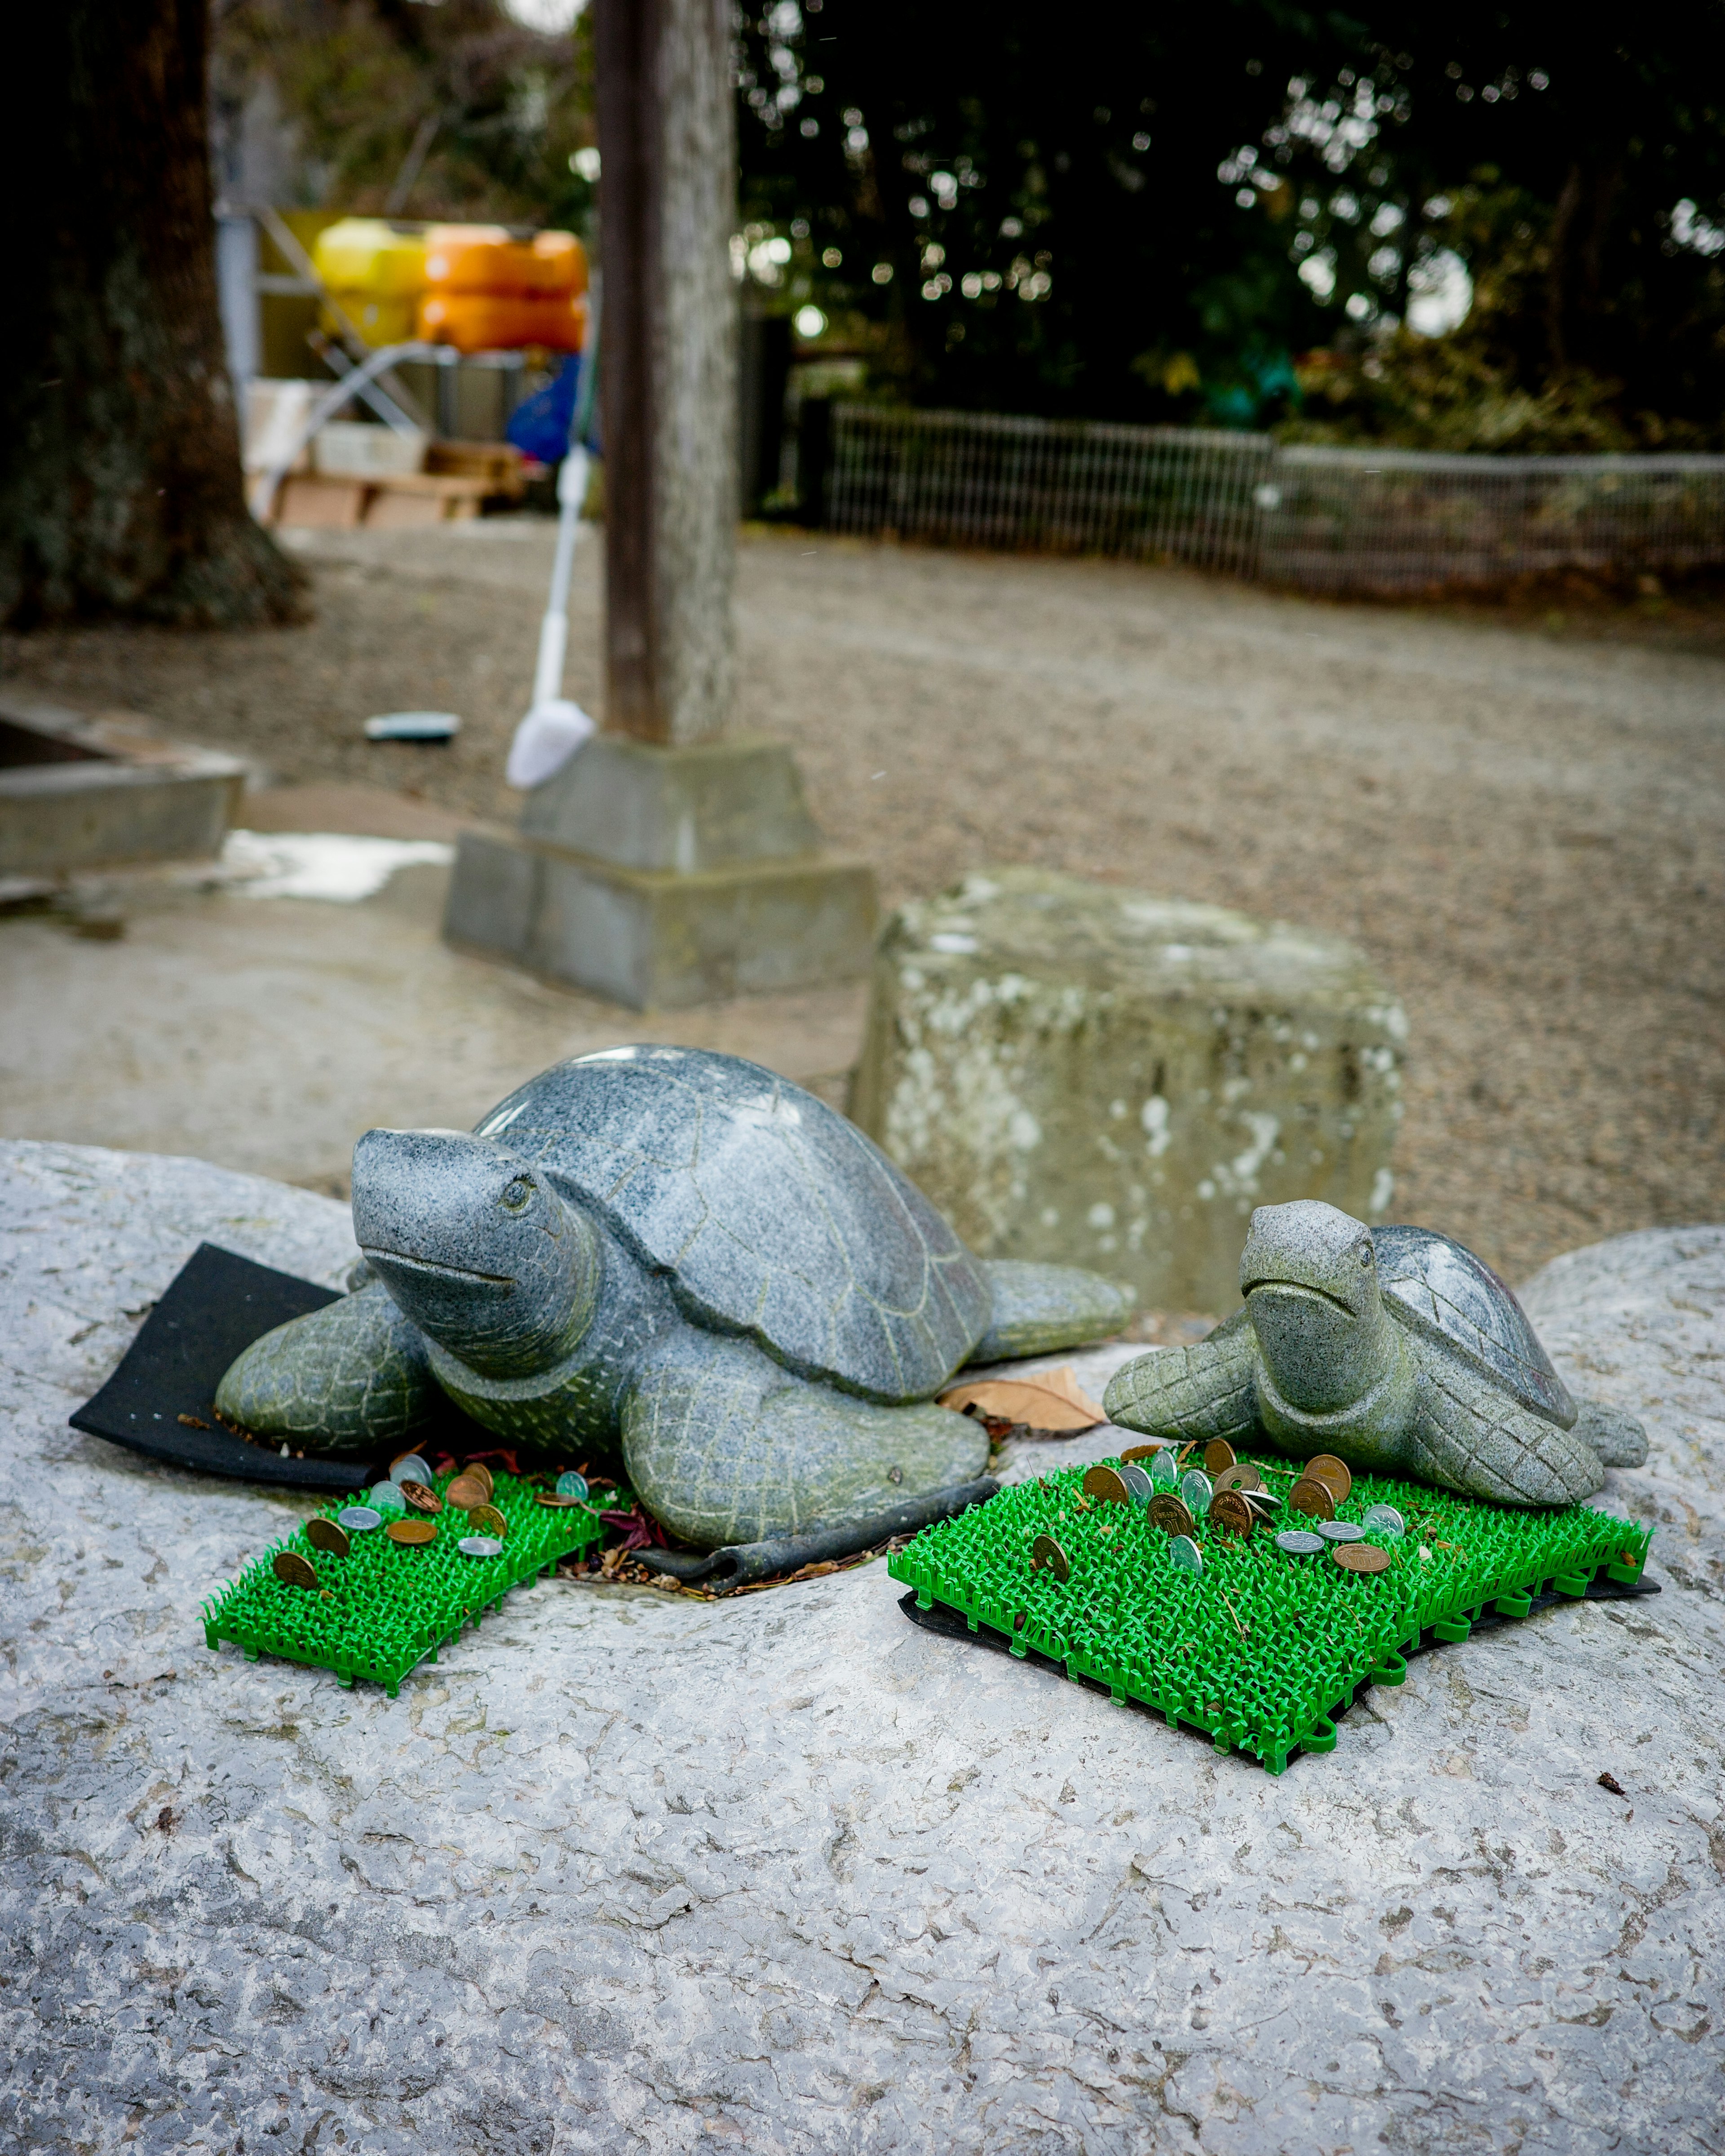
(668, 374)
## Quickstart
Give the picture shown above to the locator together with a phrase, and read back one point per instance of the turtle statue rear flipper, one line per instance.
(1039, 1309)
(723, 1445)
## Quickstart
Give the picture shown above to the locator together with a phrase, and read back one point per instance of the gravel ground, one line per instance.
(1518, 819)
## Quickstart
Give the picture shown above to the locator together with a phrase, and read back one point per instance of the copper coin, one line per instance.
(1170, 1515)
(326, 1535)
(1360, 1557)
(1100, 1481)
(478, 1469)
(411, 1532)
(1218, 1457)
(1142, 1451)
(1240, 1476)
(1314, 1498)
(1326, 1468)
(487, 1519)
(1046, 1555)
(465, 1491)
(294, 1570)
(1231, 1510)
(421, 1499)
(557, 1500)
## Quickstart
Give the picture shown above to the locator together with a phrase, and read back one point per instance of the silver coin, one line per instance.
(1385, 1520)
(572, 1485)
(480, 1546)
(1164, 1472)
(386, 1497)
(411, 1469)
(359, 1519)
(1137, 1483)
(1184, 1554)
(1297, 1542)
(1266, 1500)
(1195, 1488)
(1341, 1530)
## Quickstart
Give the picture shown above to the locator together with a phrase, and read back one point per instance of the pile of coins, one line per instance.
(407, 1507)
(1166, 1482)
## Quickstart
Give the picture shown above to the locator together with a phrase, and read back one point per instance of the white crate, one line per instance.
(348, 448)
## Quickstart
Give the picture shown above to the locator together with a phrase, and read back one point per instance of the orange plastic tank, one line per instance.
(483, 259)
(485, 321)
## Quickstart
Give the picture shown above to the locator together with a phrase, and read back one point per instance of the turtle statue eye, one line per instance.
(516, 1195)
(1365, 1254)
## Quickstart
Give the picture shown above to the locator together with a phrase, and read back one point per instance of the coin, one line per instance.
(1170, 1515)
(572, 1485)
(325, 1535)
(386, 1497)
(1361, 1557)
(411, 1532)
(420, 1499)
(1313, 1498)
(360, 1519)
(1242, 1476)
(1218, 1457)
(1385, 1520)
(1103, 1483)
(1265, 1502)
(464, 1490)
(480, 1546)
(1142, 1451)
(294, 1570)
(1229, 1510)
(553, 1498)
(411, 1467)
(1164, 1469)
(1327, 1468)
(477, 1467)
(1139, 1486)
(1184, 1554)
(1297, 1542)
(1195, 1488)
(1046, 1555)
(488, 1518)
(1340, 1530)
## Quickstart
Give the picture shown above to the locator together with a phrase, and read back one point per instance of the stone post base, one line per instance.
(1092, 1075)
(665, 876)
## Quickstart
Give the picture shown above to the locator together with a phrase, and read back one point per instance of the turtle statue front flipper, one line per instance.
(1040, 1309)
(724, 1445)
(347, 1379)
(1205, 1391)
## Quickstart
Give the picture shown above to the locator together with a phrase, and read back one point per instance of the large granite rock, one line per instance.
(1077, 1072)
(628, 1870)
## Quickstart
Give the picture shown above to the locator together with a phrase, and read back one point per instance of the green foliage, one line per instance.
(456, 110)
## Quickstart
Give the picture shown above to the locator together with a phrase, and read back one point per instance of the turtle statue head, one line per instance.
(1309, 1275)
(476, 1247)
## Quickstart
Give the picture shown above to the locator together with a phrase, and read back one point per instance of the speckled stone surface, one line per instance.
(1395, 1349)
(1114, 1079)
(630, 1872)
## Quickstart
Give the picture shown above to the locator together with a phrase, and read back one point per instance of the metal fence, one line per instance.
(1389, 521)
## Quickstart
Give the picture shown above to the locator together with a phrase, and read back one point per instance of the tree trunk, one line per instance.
(120, 489)
(668, 363)
(1574, 283)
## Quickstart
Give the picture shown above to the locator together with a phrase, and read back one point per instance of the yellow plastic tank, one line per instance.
(366, 255)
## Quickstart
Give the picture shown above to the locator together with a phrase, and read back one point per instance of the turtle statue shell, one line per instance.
(1445, 1290)
(770, 1213)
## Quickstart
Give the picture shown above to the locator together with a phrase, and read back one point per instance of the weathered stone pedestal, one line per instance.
(663, 876)
(1079, 1073)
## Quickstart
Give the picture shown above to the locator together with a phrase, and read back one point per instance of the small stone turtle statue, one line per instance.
(680, 1255)
(1394, 1348)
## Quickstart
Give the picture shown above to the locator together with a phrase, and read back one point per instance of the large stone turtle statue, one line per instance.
(678, 1255)
(1394, 1348)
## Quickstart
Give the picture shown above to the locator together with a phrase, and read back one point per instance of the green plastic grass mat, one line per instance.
(1261, 1649)
(389, 1606)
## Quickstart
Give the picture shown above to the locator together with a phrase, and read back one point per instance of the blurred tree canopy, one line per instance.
(1143, 214)
(460, 110)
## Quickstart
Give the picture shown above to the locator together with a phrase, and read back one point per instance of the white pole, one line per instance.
(554, 629)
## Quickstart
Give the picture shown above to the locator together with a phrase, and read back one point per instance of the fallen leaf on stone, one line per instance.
(1610, 1782)
(1051, 1399)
